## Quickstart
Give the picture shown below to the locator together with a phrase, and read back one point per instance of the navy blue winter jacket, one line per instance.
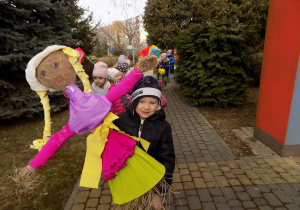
(171, 60)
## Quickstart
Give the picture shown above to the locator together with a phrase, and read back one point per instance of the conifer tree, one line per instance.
(29, 26)
(163, 21)
(212, 63)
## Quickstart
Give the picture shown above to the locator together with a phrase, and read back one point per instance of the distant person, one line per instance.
(115, 74)
(164, 64)
(176, 56)
(129, 68)
(122, 64)
(172, 61)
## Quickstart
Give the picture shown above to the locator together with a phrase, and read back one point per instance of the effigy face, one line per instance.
(55, 71)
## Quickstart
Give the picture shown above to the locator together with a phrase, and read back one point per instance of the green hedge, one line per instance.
(212, 63)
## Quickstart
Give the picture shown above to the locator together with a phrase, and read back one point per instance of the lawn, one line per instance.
(57, 178)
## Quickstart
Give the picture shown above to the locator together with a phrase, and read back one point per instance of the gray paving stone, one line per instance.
(260, 201)
(262, 188)
(296, 186)
(296, 199)
(180, 202)
(204, 195)
(272, 199)
(194, 202)
(248, 204)
(288, 189)
(292, 206)
(215, 191)
(283, 197)
(228, 193)
(238, 208)
(219, 199)
(265, 208)
(274, 186)
(191, 192)
(182, 208)
(170, 207)
(234, 203)
(223, 206)
(253, 191)
(243, 196)
(238, 189)
(208, 206)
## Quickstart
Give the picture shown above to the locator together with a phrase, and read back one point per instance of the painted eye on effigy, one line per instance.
(55, 71)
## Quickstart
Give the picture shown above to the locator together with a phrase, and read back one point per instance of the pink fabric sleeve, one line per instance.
(124, 86)
(118, 107)
(164, 102)
(51, 147)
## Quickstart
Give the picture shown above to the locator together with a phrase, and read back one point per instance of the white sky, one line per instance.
(101, 8)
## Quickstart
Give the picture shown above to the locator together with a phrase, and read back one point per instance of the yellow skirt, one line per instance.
(141, 174)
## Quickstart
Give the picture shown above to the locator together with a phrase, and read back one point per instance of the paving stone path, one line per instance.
(207, 175)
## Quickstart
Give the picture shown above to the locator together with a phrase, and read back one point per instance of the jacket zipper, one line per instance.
(141, 128)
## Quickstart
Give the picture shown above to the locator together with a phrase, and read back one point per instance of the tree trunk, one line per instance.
(133, 52)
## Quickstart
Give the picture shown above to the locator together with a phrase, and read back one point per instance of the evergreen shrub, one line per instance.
(212, 63)
(20, 101)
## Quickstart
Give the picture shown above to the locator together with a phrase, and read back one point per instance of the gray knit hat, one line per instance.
(121, 59)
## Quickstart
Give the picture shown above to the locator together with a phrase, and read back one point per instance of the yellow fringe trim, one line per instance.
(75, 62)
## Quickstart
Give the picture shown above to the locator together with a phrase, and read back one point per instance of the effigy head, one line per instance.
(55, 71)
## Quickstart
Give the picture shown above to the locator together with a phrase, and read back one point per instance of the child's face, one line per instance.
(118, 76)
(99, 81)
(146, 107)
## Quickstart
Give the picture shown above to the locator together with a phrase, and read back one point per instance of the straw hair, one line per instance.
(147, 63)
(26, 179)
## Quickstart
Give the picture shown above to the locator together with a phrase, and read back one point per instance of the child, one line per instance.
(100, 75)
(164, 64)
(101, 85)
(172, 61)
(118, 75)
(146, 112)
(122, 64)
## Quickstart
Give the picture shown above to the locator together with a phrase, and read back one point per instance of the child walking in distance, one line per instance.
(146, 112)
(164, 64)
